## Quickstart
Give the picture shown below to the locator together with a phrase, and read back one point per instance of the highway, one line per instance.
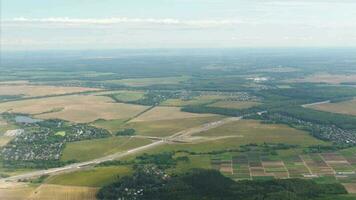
(177, 137)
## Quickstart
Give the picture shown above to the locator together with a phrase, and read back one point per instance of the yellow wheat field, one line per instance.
(39, 90)
(75, 108)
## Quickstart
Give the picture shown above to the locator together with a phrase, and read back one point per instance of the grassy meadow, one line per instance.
(91, 149)
(163, 128)
(95, 177)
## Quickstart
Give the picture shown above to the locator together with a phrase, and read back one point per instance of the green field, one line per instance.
(61, 133)
(246, 132)
(195, 162)
(95, 177)
(126, 96)
(251, 131)
(110, 125)
(162, 128)
(91, 149)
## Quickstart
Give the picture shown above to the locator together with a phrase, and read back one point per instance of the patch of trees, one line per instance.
(163, 160)
(270, 148)
(241, 112)
(348, 83)
(211, 185)
(40, 179)
(312, 92)
(35, 164)
(341, 99)
(151, 98)
(320, 128)
(9, 97)
(126, 132)
(324, 148)
(319, 117)
(213, 110)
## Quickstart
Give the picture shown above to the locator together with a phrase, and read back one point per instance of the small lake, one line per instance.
(26, 119)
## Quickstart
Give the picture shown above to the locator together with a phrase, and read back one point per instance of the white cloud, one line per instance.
(120, 20)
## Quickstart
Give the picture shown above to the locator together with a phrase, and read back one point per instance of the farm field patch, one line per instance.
(164, 128)
(95, 177)
(251, 131)
(91, 149)
(127, 96)
(241, 166)
(40, 90)
(243, 132)
(166, 113)
(345, 107)
(59, 192)
(15, 191)
(75, 108)
(110, 125)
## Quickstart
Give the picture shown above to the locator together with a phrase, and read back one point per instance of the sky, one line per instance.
(117, 24)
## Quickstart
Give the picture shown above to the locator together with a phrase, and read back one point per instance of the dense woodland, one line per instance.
(150, 183)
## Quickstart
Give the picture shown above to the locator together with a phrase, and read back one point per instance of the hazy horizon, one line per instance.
(76, 25)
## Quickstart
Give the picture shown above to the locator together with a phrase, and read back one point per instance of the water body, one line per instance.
(26, 119)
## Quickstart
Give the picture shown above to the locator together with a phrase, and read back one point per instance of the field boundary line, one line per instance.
(249, 168)
(139, 114)
(284, 165)
(327, 163)
(305, 164)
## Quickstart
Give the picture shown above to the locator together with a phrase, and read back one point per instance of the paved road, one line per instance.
(82, 165)
(78, 166)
